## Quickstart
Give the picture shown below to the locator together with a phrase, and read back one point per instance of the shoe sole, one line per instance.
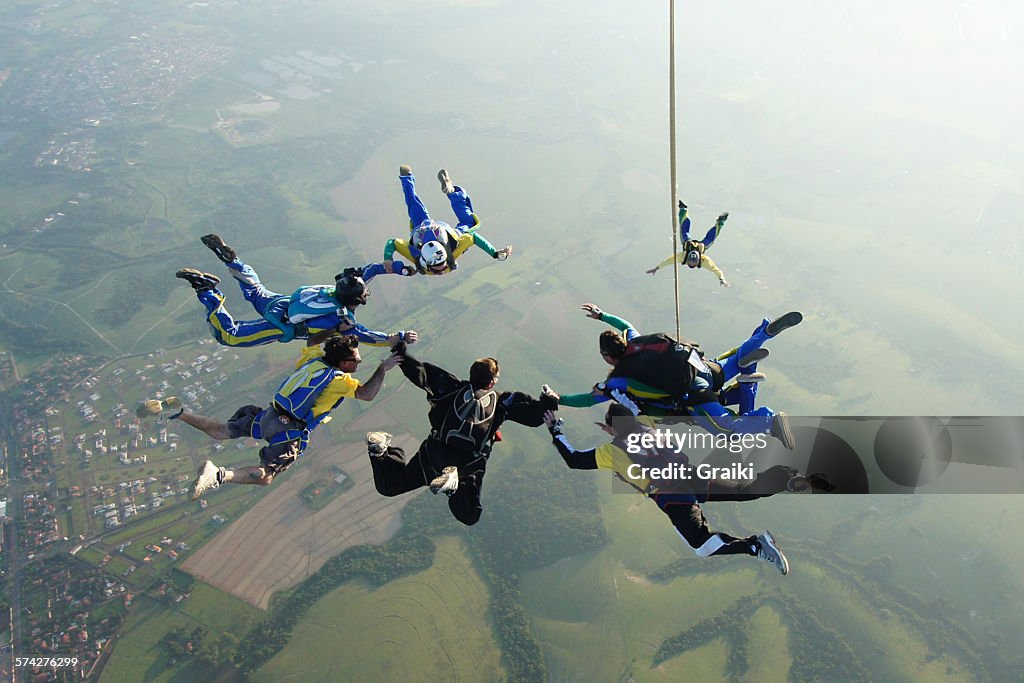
(193, 277)
(438, 483)
(784, 432)
(755, 356)
(771, 543)
(195, 484)
(446, 182)
(783, 323)
(219, 247)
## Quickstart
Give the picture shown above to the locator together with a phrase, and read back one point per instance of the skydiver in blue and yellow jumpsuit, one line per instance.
(699, 399)
(693, 253)
(434, 246)
(306, 398)
(311, 312)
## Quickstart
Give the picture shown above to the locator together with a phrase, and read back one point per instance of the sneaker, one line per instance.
(770, 553)
(225, 253)
(751, 377)
(446, 182)
(377, 443)
(208, 479)
(782, 431)
(783, 322)
(170, 408)
(200, 281)
(404, 170)
(447, 483)
(755, 356)
(820, 482)
(797, 484)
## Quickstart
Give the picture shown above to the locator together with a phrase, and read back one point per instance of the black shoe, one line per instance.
(820, 482)
(225, 253)
(754, 356)
(200, 281)
(782, 431)
(783, 322)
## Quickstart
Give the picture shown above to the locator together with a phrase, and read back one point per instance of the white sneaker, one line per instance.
(207, 480)
(171, 407)
(377, 443)
(751, 377)
(447, 483)
(770, 553)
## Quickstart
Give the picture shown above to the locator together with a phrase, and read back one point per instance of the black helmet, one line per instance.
(349, 287)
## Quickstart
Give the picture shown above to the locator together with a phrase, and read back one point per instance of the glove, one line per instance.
(556, 427)
(547, 392)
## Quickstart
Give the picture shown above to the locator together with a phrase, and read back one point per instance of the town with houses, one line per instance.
(100, 505)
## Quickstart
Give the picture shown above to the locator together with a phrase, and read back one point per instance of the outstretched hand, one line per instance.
(592, 311)
(652, 271)
(391, 361)
(554, 423)
(503, 254)
(411, 337)
(724, 282)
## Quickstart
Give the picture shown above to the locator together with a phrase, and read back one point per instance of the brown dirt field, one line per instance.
(281, 541)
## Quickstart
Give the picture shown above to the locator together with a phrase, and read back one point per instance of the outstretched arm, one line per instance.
(372, 270)
(527, 410)
(499, 254)
(396, 244)
(577, 460)
(706, 262)
(368, 391)
(615, 321)
(674, 258)
(371, 337)
(429, 377)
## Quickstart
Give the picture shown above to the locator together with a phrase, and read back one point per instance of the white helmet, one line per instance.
(433, 254)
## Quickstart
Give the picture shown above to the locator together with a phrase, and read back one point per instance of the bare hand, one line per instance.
(549, 417)
(411, 337)
(503, 254)
(724, 282)
(390, 362)
(592, 311)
